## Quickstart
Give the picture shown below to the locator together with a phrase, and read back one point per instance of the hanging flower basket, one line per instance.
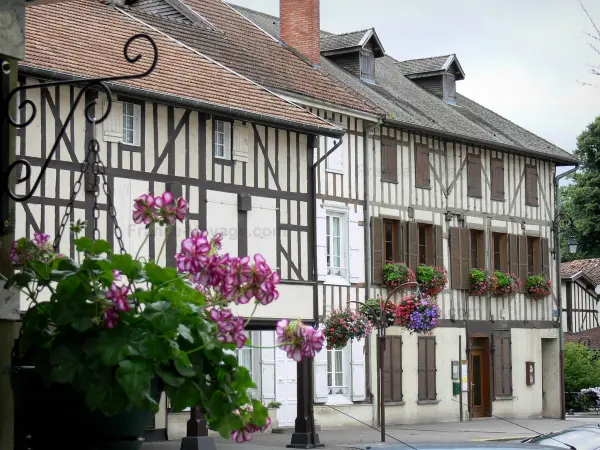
(343, 326)
(505, 285)
(117, 330)
(373, 311)
(539, 287)
(481, 282)
(396, 274)
(418, 313)
(432, 280)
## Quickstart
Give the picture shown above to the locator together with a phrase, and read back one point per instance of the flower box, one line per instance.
(481, 282)
(432, 280)
(396, 274)
(504, 285)
(539, 287)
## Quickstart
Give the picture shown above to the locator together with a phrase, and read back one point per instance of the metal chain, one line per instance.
(112, 212)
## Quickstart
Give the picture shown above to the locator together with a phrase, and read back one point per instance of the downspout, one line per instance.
(561, 354)
(367, 241)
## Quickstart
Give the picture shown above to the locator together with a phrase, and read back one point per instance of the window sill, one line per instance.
(532, 204)
(503, 399)
(389, 181)
(394, 403)
(424, 187)
(223, 161)
(427, 402)
(498, 199)
(475, 196)
(336, 281)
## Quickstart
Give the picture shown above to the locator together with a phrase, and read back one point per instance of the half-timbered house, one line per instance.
(441, 180)
(580, 281)
(241, 155)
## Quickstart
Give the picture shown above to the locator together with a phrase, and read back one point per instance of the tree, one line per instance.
(581, 200)
(582, 370)
(595, 40)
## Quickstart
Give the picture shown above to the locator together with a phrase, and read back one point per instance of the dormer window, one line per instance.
(367, 65)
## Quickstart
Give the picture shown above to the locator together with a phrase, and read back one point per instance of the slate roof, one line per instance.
(423, 65)
(407, 104)
(341, 41)
(590, 267)
(242, 46)
(86, 38)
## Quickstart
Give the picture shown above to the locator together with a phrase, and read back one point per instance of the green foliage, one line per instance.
(396, 274)
(274, 405)
(165, 335)
(481, 282)
(373, 310)
(538, 286)
(432, 280)
(582, 370)
(581, 200)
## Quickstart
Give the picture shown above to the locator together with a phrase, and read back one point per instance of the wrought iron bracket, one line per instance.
(28, 112)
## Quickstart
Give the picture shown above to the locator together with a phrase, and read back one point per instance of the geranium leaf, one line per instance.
(170, 377)
(185, 333)
(65, 364)
(114, 346)
(134, 377)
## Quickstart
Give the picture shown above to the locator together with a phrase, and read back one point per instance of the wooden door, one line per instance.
(477, 378)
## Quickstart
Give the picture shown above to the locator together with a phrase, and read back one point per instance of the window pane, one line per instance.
(336, 242)
(530, 268)
(496, 245)
(129, 137)
(422, 246)
(474, 249)
(328, 242)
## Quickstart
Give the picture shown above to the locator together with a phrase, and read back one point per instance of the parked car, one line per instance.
(584, 437)
(452, 446)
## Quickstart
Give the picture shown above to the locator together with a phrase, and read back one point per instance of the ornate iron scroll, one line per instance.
(92, 83)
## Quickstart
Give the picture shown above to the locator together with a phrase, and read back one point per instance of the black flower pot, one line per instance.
(56, 416)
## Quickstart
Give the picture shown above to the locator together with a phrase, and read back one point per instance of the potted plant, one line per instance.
(272, 407)
(504, 284)
(539, 287)
(432, 280)
(481, 282)
(418, 313)
(117, 331)
(373, 310)
(343, 326)
(396, 274)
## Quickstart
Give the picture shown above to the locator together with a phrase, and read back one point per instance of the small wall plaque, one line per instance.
(529, 373)
(455, 370)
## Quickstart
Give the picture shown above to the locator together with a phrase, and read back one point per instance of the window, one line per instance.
(335, 161)
(422, 178)
(499, 250)
(390, 234)
(497, 169)
(474, 175)
(389, 160)
(335, 372)
(422, 244)
(367, 65)
(246, 358)
(131, 123)
(335, 245)
(477, 250)
(502, 364)
(533, 256)
(425, 244)
(222, 139)
(531, 186)
(392, 369)
(427, 368)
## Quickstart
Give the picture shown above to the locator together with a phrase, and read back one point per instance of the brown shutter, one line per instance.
(422, 179)
(465, 258)
(506, 365)
(513, 255)
(531, 186)
(387, 370)
(389, 160)
(422, 367)
(438, 239)
(504, 252)
(497, 346)
(413, 245)
(473, 175)
(523, 262)
(455, 258)
(545, 257)
(431, 368)
(497, 169)
(377, 244)
(396, 365)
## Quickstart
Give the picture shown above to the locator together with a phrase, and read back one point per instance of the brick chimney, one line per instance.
(300, 27)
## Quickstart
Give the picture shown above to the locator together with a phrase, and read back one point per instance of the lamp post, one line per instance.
(381, 326)
(572, 244)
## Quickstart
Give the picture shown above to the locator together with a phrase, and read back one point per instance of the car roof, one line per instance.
(449, 446)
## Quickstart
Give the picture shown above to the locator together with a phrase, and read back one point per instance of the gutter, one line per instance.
(488, 144)
(561, 337)
(189, 103)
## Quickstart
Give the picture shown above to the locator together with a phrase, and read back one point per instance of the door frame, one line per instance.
(480, 343)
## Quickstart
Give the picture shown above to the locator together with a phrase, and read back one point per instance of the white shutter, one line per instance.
(240, 142)
(356, 238)
(267, 364)
(227, 128)
(358, 370)
(137, 124)
(321, 388)
(321, 242)
(335, 161)
(112, 127)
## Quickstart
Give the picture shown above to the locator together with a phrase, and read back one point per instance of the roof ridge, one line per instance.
(550, 144)
(421, 59)
(348, 32)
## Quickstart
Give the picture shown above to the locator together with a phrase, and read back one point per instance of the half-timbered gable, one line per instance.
(579, 284)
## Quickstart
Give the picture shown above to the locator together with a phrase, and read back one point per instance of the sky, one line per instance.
(524, 59)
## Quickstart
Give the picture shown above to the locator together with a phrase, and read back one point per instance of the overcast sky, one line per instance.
(522, 58)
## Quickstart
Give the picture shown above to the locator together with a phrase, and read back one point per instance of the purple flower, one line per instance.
(265, 281)
(194, 252)
(143, 209)
(179, 211)
(42, 241)
(17, 255)
(164, 200)
(118, 295)
(111, 317)
(116, 275)
(298, 340)
(241, 436)
(313, 341)
(231, 329)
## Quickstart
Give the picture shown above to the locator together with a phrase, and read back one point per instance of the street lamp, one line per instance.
(381, 327)
(563, 220)
(572, 243)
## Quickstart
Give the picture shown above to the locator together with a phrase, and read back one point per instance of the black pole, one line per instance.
(197, 437)
(305, 435)
(381, 351)
(460, 375)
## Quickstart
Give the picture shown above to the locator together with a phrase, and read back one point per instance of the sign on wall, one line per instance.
(464, 377)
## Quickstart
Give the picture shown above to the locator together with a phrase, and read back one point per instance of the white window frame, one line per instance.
(133, 111)
(338, 395)
(335, 161)
(222, 139)
(252, 355)
(342, 269)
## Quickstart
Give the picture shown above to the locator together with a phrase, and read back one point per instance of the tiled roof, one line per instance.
(84, 38)
(245, 48)
(407, 103)
(422, 65)
(590, 338)
(590, 267)
(341, 41)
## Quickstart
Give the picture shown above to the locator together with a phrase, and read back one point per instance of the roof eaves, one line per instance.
(200, 105)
